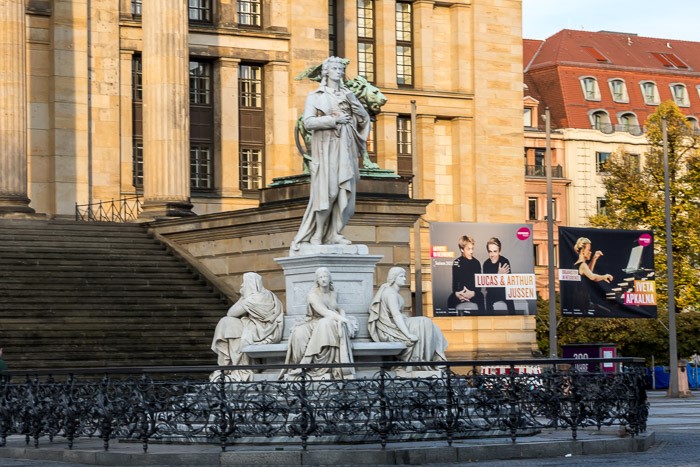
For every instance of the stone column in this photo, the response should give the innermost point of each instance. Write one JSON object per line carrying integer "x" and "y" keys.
{"x": 226, "y": 120}
{"x": 13, "y": 110}
{"x": 423, "y": 44}
{"x": 279, "y": 160}
{"x": 166, "y": 112}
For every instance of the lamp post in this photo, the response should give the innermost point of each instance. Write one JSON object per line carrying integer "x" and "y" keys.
{"x": 672, "y": 348}
{"x": 553, "y": 350}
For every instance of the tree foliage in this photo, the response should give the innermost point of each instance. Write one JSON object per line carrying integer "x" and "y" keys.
{"x": 635, "y": 199}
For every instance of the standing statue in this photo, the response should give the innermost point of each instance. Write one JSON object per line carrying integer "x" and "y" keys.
{"x": 324, "y": 336}
{"x": 339, "y": 126}
{"x": 423, "y": 339}
{"x": 256, "y": 318}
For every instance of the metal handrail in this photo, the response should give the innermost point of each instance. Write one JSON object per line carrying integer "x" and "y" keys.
{"x": 125, "y": 209}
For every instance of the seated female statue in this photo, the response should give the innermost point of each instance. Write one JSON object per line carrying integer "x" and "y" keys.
{"x": 256, "y": 318}
{"x": 423, "y": 339}
{"x": 324, "y": 336}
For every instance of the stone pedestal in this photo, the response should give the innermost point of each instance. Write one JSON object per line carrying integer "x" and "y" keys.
{"x": 352, "y": 275}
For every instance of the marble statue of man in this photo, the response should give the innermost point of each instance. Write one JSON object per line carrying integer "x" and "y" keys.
{"x": 340, "y": 126}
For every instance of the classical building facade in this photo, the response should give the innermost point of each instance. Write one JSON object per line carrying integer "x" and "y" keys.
{"x": 192, "y": 104}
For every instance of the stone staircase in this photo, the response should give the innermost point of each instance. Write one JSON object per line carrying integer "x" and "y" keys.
{"x": 84, "y": 295}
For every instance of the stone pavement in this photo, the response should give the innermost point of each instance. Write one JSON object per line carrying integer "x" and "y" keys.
{"x": 671, "y": 440}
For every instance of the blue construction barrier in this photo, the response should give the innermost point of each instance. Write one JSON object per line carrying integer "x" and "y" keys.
{"x": 662, "y": 377}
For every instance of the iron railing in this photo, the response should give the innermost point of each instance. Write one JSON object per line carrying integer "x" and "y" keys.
{"x": 181, "y": 404}
{"x": 125, "y": 209}
{"x": 541, "y": 171}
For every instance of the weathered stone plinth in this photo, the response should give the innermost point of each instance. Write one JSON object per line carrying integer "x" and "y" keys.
{"x": 353, "y": 279}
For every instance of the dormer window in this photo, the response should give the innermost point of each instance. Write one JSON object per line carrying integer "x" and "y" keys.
{"x": 628, "y": 122}
{"x": 600, "y": 120}
{"x": 589, "y": 85}
{"x": 618, "y": 90}
{"x": 650, "y": 92}
{"x": 680, "y": 94}
{"x": 530, "y": 117}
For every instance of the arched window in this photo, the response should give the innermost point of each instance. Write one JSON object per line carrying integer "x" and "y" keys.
{"x": 650, "y": 92}
{"x": 600, "y": 120}
{"x": 628, "y": 122}
{"x": 589, "y": 85}
{"x": 618, "y": 90}
{"x": 680, "y": 94}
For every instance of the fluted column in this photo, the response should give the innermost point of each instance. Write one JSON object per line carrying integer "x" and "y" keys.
{"x": 166, "y": 113}
{"x": 13, "y": 110}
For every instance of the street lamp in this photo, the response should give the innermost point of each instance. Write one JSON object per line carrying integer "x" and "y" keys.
{"x": 553, "y": 351}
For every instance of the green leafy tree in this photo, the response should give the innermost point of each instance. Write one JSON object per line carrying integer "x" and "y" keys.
{"x": 635, "y": 199}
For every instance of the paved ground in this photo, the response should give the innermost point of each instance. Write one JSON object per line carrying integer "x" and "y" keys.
{"x": 673, "y": 433}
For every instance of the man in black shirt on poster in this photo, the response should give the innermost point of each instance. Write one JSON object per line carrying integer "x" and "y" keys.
{"x": 465, "y": 296}
{"x": 497, "y": 264}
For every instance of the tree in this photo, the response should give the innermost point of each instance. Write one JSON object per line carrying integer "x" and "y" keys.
{"x": 635, "y": 199}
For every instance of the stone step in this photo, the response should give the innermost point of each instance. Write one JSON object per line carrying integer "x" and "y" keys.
{"x": 80, "y": 295}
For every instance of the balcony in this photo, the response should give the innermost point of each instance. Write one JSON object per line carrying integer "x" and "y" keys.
{"x": 541, "y": 171}
{"x": 609, "y": 128}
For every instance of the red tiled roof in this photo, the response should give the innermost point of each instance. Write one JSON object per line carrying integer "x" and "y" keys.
{"x": 553, "y": 73}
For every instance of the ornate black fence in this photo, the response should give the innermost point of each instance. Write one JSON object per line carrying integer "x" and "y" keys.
{"x": 180, "y": 404}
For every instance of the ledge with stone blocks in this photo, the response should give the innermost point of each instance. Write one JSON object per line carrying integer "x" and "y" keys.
{"x": 359, "y": 349}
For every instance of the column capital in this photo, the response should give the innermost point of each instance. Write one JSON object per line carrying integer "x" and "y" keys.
{"x": 229, "y": 62}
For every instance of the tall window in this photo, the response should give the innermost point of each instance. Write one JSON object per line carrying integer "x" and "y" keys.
{"x": 591, "y": 92}
{"x": 365, "y": 39}
{"x": 250, "y": 13}
{"x": 650, "y": 93}
{"x": 633, "y": 162}
{"x": 618, "y": 89}
{"x": 332, "y": 33}
{"x": 527, "y": 117}
{"x": 137, "y": 121}
{"x": 532, "y": 209}
{"x": 200, "y": 11}
{"x": 404, "y": 44}
{"x": 136, "y": 6}
{"x": 251, "y": 126}
{"x": 600, "y": 159}
{"x": 600, "y": 206}
{"x": 680, "y": 95}
{"x": 201, "y": 126}
{"x": 404, "y": 147}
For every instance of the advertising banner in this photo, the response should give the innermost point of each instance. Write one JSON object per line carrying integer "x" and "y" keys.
{"x": 607, "y": 273}
{"x": 482, "y": 269}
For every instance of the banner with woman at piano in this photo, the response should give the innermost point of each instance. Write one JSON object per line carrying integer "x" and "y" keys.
{"x": 606, "y": 273}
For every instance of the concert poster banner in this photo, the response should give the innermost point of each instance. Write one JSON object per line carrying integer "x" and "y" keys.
{"x": 481, "y": 269}
{"x": 605, "y": 273}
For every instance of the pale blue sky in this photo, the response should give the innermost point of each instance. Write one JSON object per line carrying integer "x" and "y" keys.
{"x": 666, "y": 19}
